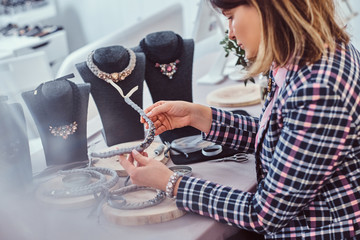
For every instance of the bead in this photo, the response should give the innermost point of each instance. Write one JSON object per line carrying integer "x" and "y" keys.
{"x": 171, "y": 184}
{"x": 115, "y": 76}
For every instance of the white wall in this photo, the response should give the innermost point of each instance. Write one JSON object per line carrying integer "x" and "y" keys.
{"x": 354, "y": 25}
{"x": 89, "y": 20}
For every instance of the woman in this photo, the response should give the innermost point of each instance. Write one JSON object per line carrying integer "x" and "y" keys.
{"x": 307, "y": 141}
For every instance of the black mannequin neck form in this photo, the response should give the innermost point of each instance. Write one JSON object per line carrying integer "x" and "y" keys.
{"x": 111, "y": 59}
{"x": 59, "y": 99}
{"x": 166, "y": 46}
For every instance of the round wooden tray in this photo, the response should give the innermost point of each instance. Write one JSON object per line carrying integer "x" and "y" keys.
{"x": 113, "y": 162}
{"x": 237, "y": 95}
{"x": 163, "y": 212}
{"x": 65, "y": 202}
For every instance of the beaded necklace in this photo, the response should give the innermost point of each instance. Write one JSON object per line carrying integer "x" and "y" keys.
{"x": 86, "y": 188}
{"x": 60, "y": 127}
{"x": 168, "y": 67}
{"x": 151, "y": 133}
{"x": 115, "y": 76}
{"x": 116, "y": 198}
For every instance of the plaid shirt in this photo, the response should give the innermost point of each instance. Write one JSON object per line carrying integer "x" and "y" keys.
{"x": 309, "y": 154}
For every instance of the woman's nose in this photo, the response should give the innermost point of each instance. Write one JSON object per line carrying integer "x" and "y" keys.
{"x": 231, "y": 35}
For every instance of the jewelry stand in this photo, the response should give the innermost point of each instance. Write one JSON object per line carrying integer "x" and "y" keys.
{"x": 54, "y": 101}
{"x": 168, "y": 48}
{"x": 16, "y": 170}
{"x": 120, "y": 122}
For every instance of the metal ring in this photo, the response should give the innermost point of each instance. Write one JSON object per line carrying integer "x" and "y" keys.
{"x": 212, "y": 150}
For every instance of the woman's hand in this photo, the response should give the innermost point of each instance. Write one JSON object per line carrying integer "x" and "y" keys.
{"x": 149, "y": 172}
{"x": 168, "y": 115}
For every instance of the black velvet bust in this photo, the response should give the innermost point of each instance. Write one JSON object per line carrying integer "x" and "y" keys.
{"x": 57, "y": 103}
{"x": 121, "y": 123}
{"x": 163, "y": 46}
{"x": 16, "y": 170}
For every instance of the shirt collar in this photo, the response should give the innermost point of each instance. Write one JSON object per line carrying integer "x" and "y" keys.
{"x": 279, "y": 76}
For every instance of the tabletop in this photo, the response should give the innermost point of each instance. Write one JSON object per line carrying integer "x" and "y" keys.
{"x": 26, "y": 218}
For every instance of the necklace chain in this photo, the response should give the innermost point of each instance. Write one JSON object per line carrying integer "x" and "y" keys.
{"x": 115, "y": 76}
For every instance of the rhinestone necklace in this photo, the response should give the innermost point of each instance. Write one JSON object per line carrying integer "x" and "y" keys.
{"x": 115, "y": 76}
{"x": 151, "y": 132}
{"x": 167, "y": 67}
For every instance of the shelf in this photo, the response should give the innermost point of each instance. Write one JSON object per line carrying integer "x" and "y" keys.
{"x": 31, "y": 16}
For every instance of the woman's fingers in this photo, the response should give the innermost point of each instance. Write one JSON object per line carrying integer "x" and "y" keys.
{"x": 160, "y": 130}
{"x": 150, "y": 108}
{"x": 127, "y": 163}
{"x": 140, "y": 158}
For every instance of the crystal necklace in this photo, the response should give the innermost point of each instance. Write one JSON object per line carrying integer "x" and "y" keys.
{"x": 151, "y": 133}
{"x": 167, "y": 67}
{"x": 60, "y": 127}
{"x": 115, "y": 76}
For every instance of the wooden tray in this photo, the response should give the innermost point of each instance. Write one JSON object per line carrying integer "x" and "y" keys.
{"x": 235, "y": 96}
{"x": 163, "y": 212}
{"x": 65, "y": 202}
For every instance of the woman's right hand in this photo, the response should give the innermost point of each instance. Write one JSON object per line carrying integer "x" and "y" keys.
{"x": 168, "y": 115}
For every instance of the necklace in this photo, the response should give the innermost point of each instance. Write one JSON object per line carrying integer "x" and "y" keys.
{"x": 167, "y": 67}
{"x": 56, "y": 126}
{"x": 150, "y": 134}
{"x": 91, "y": 187}
{"x": 115, "y": 76}
{"x": 269, "y": 85}
{"x": 116, "y": 199}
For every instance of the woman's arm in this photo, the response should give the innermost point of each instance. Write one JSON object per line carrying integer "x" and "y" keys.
{"x": 233, "y": 130}
{"x": 305, "y": 157}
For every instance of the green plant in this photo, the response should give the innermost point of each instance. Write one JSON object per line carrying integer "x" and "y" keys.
{"x": 230, "y": 46}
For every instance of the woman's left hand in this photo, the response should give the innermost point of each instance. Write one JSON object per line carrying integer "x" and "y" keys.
{"x": 148, "y": 172}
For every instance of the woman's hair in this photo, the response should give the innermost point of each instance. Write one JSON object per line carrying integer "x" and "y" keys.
{"x": 293, "y": 31}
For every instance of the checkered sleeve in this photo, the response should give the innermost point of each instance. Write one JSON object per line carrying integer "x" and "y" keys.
{"x": 233, "y": 130}
{"x": 311, "y": 145}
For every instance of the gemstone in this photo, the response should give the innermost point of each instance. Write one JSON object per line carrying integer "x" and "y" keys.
{"x": 115, "y": 76}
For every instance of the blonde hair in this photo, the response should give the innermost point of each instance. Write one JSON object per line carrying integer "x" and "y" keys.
{"x": 295, "y": 30}
{"x": 292, "y": 30}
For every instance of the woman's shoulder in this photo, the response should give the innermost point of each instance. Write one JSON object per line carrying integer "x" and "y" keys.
{"x": 338, "y": 72}
{"x": 343, "y": 63}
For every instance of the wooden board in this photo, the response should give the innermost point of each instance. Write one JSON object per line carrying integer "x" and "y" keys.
{"x": 235, "y": 96}
{"x": 163, "y": 212}
{"x": 113, "y": 162}
{"x": 66, "y": 202}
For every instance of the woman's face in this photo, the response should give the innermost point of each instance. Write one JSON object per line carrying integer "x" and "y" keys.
{"x": 245, "y": 27}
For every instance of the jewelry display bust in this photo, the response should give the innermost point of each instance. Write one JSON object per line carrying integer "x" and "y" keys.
{"x": 16, "y": 170}
{"x": 169, "y": 64}
{"x": 59, "y": 109}
{"x": 120, "y": 122}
